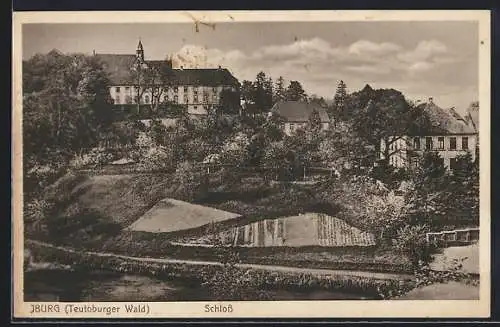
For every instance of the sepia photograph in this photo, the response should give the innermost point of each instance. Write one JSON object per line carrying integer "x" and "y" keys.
{"x": 237, "y": 159}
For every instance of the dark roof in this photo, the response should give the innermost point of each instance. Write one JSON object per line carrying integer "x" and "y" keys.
{"x": 205, "y": 76}
{"x": 298, "y": 111}
{"x": 120, "y": 66}
{"x": 446, "y": 121}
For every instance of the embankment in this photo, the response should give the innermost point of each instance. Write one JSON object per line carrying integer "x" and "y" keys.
{"x": 376, "y": 285}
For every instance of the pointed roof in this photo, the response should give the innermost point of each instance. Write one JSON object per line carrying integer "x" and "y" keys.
{"x": 118, "y": 66}
{"x": 299, "y": 111}
{"x": 139, "y": 46}
{"x": 472, "y": 115}
{"x": 445, "y": 121}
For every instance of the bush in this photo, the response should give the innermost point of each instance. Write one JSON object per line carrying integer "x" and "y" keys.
{"x": 191, "y": 180}
{"x": 156, "y": 158}
{"x": 411, "y": 241}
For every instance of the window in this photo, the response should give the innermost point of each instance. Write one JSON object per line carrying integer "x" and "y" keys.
{"x": 185, "y": 89}
{"x": 195, "y": 91}
{"x": 146, "y": 99}
{"x": 214, "y": 89}
{"x": 428, "y": 143}
{"x": 176, "y": 98}
{"x": 165, "y": 98}
{"x": 127, "y": 89}
{"x": 441, "y": 143}
{"x": 195, "y": 107}
{"x": 185, "y": 98}
{"x": 465, "y": 143}
{"x": 416, "y": 143}
{"x": 195, "y": 97}
{"x": 176, "y": 89}
{"x": 117, "y": 89}
{"x": 453, "y": 143}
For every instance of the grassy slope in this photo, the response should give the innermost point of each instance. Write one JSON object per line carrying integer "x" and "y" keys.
{"x": 122, "y": 199}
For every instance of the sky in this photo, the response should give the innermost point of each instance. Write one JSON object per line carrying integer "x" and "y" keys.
{"x": 420, "y": 59}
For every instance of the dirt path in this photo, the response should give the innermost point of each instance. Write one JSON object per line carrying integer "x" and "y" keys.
{"x": 323, "y": 272}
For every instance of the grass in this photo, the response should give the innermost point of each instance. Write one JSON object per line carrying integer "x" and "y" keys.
{"x": 94, "y": 210}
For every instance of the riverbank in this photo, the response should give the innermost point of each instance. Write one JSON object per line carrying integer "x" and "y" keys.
{"x": 369, "y": 284}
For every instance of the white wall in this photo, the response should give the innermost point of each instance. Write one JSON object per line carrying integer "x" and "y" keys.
{"x": 400, "y": 148}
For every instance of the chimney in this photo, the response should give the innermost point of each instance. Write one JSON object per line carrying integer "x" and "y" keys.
{"x": 431, "y": 100}
{"x": 220, "y": 67}
{"x": 93, "y": 52}
{"x": 182, "y": 67}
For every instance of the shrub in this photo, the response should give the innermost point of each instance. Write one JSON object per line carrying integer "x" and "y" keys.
{"x": 156, "y": 158}
{"x": 411, "y": 241}
{"x": 191, "y": 180}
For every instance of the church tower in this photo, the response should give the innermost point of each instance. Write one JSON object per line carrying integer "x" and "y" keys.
{"x": 140, "y": 51}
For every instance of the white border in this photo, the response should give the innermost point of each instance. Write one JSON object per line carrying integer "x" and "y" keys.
{"x": 365, "y": 309}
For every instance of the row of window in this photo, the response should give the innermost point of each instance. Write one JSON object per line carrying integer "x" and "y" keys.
{"x": 176, "y": 89}
{"x": 429, "y": 143}
{"x": 147, "y": 99}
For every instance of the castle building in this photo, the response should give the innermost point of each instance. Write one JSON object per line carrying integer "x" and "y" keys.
{"x": 140, "y": 83}
{"x": 451, "y": 136}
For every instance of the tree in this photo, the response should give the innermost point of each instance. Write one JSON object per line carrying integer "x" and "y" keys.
{"x": 343, "y": 148}
{"x": 263, "y": 93}
{"x": 314, "y": 123}
{"x": 383, "y": 116}
{"x": 384, "y": 215}
{"x": 65, "y": 99}
{"x": 229, "y": 101}
{"x": 339, "y": 100}
{"x": 279, "y": 90}
{"x": 248, "y": 96}
{"x": 427, "y": 201}
{"x": 153, "y": 80}
{"x": 295, "y": 92}
{"x": 318, "y": 100}
{"x": 157, "y": 132}
{"x": 464, "y": 193}
{"x": 279, "y": 159}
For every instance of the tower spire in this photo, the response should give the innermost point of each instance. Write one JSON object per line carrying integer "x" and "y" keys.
{"x": 140, "y": 50}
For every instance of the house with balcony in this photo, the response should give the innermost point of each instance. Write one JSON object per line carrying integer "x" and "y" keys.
{"x": 450, "y": 136}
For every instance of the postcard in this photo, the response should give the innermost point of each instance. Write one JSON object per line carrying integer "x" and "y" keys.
{"x": 239, "y": 164}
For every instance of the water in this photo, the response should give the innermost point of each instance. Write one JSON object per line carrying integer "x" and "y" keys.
{"x": 69, "y": 286}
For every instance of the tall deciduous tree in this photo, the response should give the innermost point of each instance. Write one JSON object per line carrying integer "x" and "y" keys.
{"x": 383, "y": 116}
{"x": 65, "y": 99}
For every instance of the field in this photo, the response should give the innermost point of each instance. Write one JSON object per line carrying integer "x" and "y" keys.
{"x": 170, "y": 215}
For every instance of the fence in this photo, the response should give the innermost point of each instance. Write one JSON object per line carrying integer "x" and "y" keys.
{"x": 457, "y": 236}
